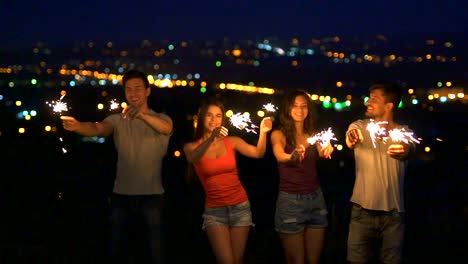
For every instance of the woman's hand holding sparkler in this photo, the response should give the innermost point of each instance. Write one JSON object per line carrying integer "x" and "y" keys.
{"x": 326, "y": 151}
{"x": 266, "y": 125}
{"x": 298, "y": 154}
{"x": 70, "y": 123}
{"x": 219, "y": 132}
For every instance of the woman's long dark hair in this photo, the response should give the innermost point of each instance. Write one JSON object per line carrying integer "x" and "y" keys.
{"x": 286, "y": 121}
{"x": 202, "y": 111}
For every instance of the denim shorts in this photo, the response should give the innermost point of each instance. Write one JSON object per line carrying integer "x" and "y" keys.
{"x": 368, "y": 228}
{"x": 231, "y": 215}
{"x": 295, "y": 212}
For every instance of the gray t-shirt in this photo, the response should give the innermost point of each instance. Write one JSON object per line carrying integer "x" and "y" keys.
{"x": 379, "y": 177}
{"x": 140, "y": 151}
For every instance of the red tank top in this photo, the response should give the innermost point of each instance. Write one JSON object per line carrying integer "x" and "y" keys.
{"x": 220, "y": 179}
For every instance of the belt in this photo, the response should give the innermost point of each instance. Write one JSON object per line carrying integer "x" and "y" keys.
{"x": 375, "y": 212}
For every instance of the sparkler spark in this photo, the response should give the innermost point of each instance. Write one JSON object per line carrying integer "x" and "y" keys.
{"x": 114, "y": 104}
{"x": 64, "y": 150}
{"x": 58, "y": 106}
{"x": 376, "y": 131}
{"x": 324, "y": 137}
{"x": 401, "y": 135}
{"x": 270, "y": 107}
{"x": 242, "y": 122}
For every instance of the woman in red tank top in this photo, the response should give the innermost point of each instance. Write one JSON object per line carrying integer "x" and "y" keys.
{"x": 227, "y": 215}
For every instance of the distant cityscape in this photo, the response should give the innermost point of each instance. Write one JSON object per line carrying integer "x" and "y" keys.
{"x": 335, "y": 71}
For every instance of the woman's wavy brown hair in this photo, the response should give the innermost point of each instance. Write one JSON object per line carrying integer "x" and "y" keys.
{"x": 202, "y": 111}
{"x": 287, "y": 123}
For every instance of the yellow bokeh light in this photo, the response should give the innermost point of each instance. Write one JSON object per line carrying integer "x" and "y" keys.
{"x": 427, "y": 149}
{"x": 18, "y": 103}
{"x": 260, "y": 113}
{"x": 448, "y": 84}
{"x": 339, "y": 147}
{"x": 21, "y": 130}
{"x": 123, "y": 105}
{"x": 229, "y": 113}
{"x": 177, "y": 153}
{"x": 47, "y": 128}
{"x": 236, "y": 52}
{"x": 27, "y": 117}
{"x": 410, "y": 91}
{"x": 100, "y": 106}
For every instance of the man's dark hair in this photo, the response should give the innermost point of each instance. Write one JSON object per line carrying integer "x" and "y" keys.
{"x": 135, "y": 74}
{"x": 391, "y": 91}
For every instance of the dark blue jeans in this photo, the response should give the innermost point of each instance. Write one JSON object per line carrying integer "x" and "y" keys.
{"x": 369, "y": 228}
{"x": 125, "y": 209}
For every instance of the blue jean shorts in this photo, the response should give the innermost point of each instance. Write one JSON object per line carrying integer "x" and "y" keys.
{"x": 231, "y": 215}
{"x": 295, "y": 212}
{"x": 370, "y": 227}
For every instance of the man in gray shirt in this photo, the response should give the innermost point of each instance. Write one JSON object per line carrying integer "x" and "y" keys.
{"x": 377, "y": 214}
{"x": 141, "y": 138}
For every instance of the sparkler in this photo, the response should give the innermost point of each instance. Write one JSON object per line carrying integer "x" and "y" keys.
{"x": 242, "y": 122}
{"x": 324, "y": 137}
{"x": 114, "y": 104}
{"x": 401, "y": 135}
{"x": 376, "y": 131}
{"x": 59, "y": 107}
{"x": 270, "y": 107}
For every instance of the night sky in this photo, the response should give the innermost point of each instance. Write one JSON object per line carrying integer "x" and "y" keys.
{"x": 58, "y": 22}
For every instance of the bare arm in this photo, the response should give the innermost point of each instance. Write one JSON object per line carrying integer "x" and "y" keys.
{"x": 278, "y": 142}
{"x": 88, "y": 129}
{"x": 194, "y": 152}
{"x": 252, "y": 151}
{"x": 163, "y": 126}
{"x": 159, "y": 124}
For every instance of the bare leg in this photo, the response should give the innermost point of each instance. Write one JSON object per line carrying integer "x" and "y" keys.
{"x": 293, "y": 245}
{"x": 239, "y": 237}
{"x": 314, "y": 239}
{"x": 220, "y": 240}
